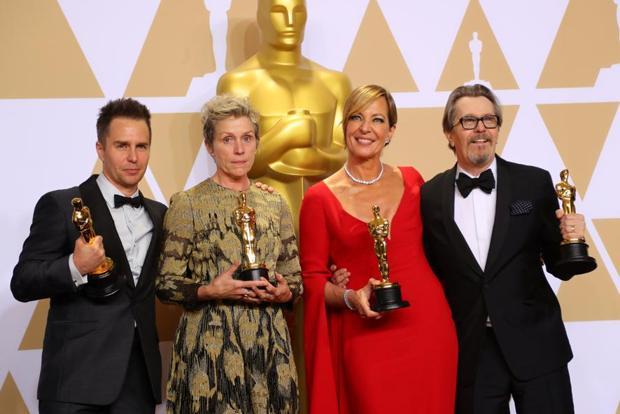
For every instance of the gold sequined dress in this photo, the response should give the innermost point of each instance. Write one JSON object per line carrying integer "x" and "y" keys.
{"x": 228, "y": 356}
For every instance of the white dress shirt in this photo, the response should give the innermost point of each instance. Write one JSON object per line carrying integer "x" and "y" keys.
{"x": 134, "y": 228}
{"x": 475, "y": 216}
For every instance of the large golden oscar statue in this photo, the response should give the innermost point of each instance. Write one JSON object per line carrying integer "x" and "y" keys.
{"x": 300, "y": 103}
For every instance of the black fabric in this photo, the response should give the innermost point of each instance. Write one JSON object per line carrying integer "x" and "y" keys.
{"x": 549, "y": 394}
{"x": 485, "y": 182}
{"x": 135, "y": 397}
{"x": 120, "y": 201}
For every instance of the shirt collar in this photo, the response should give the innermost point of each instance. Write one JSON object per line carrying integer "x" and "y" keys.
{"x": 108, "y": 190}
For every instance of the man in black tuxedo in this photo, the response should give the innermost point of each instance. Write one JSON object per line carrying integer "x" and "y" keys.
{"x": 487, "y": 225}
{"x": 99, "y": 355}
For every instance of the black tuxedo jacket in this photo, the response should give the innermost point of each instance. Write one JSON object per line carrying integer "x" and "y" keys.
{"x": 512, "y": 289}
{"x": 87, "y": 342}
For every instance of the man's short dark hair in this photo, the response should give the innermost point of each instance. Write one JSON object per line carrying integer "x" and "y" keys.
{"x": 121, "y": 108}
{"x": 472, "y": 91}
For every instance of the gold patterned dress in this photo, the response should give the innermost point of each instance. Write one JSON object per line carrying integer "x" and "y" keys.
{"x": 228, "y": 356}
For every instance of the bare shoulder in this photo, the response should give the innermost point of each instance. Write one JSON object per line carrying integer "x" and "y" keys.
{"x": 337, "y": 182}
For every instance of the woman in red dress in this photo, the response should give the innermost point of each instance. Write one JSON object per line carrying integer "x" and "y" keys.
{"x": 357, "y": 360}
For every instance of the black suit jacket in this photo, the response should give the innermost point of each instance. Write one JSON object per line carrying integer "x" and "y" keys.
{"x": 512, "y": 289}
{"x": 87, "y": 342}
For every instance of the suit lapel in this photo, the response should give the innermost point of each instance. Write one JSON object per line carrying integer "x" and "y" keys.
{"x": 457, "y": 240}
{"x": 104, "y": 227}
{"x": 502, "y": 217}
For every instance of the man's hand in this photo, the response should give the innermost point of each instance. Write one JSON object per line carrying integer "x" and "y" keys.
{"x": 88, "y": 256}
{"x": 572, "y": 226}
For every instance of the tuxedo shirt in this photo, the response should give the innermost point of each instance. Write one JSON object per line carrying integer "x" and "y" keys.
{"x": 475, "y": 216}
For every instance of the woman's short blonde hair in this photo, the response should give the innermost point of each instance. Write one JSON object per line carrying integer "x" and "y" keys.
{"x": 363, "y": 96}
{"x": 222, "y": 107}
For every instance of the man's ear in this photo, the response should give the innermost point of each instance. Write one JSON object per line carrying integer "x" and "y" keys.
{"x": 100, "y": 149}
{"x": 448, "y": 136}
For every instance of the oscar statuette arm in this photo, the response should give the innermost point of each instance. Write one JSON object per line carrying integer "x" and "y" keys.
{"x": 43, "y": 267}
{"x": 292, "y": 131}
{"x": 340, "y": 85}
{"x": 333, "y": 156}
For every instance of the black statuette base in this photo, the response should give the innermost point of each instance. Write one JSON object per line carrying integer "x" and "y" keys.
{"x": 103, "y": 285}
{"x": 574, "y": 259}
{"x": 388, "y": 297}
{"x": 253, "y": 274}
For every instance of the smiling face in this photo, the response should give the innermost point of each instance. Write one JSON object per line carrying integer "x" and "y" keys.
{"x": 475, "y": 148}
{"x": 233, "y": 149}
{"x": 367, "y": 131}
{"x": 282, "y": 22}
{"x": 125, "y": 153}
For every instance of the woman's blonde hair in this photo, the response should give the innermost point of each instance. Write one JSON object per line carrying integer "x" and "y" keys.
{"x": 363, "y": 96}
{"x": 223, "y": 107}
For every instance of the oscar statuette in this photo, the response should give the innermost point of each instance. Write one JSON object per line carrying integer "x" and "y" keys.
{"x": 387, "y": 294}
{"x": 103, "y": 281}
{"x": 574, "y": 258}
{"x": 245, "y": 217}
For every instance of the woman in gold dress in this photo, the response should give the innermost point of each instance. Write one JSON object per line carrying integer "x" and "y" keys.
{"x": 232, "y": 352}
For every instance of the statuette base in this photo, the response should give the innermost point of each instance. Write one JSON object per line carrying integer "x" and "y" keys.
{"x": 387, "y": 297}
{"x": 253, "y": 274}
{"x": 104, "y": 282}
{"x": 574, "y": 259}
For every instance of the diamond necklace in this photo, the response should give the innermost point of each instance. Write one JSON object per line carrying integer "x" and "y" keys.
{"x": 363, "y": 182}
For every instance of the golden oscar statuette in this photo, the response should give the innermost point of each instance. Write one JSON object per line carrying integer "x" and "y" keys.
{"x": 245, "y": 217}
{"x": 387, "y": 295}
{"x": 103, "y": 281}
{"x": 300, "y": 104}
{"x": 574, "y": 258}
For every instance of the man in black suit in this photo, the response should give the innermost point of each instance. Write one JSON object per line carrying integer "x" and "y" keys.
{"x": 487, "y": 225}
{"x": 99, "y": 355}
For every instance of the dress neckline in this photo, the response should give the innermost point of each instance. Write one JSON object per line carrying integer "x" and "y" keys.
{"x": 398, "y": 207}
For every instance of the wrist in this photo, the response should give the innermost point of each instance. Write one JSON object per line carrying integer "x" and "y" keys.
{"x": 347, "y": 302}
{"x": 204, "y": 293}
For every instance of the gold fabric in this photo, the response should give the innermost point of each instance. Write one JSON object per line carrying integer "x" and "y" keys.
{"x": 228, "y": 357}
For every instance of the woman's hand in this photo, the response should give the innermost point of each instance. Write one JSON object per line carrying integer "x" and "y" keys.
{"x": 275, "y": 294}
{"x": 224, "y": 286}
{"x": 340, "y": 277}
{"x": 360, "y": 300}
{"x": 264, "y": 187}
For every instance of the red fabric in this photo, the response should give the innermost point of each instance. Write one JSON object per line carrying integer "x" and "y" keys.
{"x": 404, "y": 362}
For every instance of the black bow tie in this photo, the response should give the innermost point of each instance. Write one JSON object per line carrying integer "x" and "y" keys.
{"x": 486, "y": 182}
{"x": 120, "y": 201}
